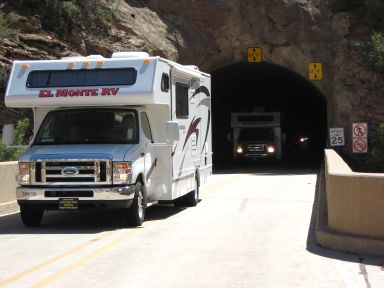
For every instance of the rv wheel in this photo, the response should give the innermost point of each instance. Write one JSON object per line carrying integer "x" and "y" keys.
{"x": 31, "y": 217}
{"x": 134, "y": 215}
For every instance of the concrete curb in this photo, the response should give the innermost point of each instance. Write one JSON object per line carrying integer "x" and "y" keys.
{"x": 327, "y": 238}
{"x": 9, "y": 207}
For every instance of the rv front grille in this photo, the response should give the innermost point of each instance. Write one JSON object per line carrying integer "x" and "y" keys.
{"x": 72, "y": 172}
{"x": 79, "y": 193}
{"x": 256, "y": 148}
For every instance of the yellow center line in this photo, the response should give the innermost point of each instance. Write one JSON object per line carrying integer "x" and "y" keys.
{"x": 48, "y": 262}
{"x": 60, "y": 273}
{"x": 92, "y": 255}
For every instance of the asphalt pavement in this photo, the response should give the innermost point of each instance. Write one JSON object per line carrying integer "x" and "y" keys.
{"x": 251, "y": 229}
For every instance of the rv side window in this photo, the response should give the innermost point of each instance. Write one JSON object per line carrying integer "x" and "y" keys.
{"x": 81, "y": 77}
{"x": 165, "y": 82}
{"x": 181, "y": 101}
{"x": 145, "y": 126}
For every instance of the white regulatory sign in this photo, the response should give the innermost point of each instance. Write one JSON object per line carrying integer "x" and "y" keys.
{"x": 360, "y": 145}
{"x": 336, "y": 136}
{"x": 360, "y": 130}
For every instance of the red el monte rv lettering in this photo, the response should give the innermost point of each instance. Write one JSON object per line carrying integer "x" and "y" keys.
{"x": 76, "y": 92}
{"x": 45, "y": 93}
{"x": 109, "y": 91}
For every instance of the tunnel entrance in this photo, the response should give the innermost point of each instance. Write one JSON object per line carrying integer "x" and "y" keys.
{"x": 270, "y": 88}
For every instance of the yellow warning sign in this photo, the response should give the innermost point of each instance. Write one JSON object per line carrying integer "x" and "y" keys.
{"x": 255, "y": 54}
{"x": 315, "y": 71}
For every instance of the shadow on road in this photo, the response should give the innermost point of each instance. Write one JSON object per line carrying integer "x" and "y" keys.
{"x": 81, "y": 222}
{"x": 267, "y": 168}
{"x": 314, "y": 248}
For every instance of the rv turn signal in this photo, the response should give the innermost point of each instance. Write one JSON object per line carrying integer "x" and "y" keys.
{"x": 25, "y": 66}
{"x": 121, "y": 172}
{"x": 23, "y": 175}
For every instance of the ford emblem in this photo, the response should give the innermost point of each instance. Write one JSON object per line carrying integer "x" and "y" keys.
{"x": 69, "y": 171}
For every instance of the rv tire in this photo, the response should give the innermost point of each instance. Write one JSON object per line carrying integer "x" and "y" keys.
{"x": 31, "y": 217}
{"x": 135, "y": 214}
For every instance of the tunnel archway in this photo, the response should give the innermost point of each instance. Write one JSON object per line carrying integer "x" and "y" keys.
{"x": 269, "y": 87}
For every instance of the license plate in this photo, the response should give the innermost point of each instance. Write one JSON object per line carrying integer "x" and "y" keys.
{"x": 68, "y": 203}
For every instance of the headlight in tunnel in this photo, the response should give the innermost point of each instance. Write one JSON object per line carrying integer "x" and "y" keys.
{"x": 303, "y": 139}
{"x": 271, "y": 149}
{"x": 239, "y": 149}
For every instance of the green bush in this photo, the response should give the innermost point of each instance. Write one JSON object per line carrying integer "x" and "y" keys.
{"x": 13, "y": 19}
{"x": 64, "y": 16}
{"x": 97, "y": 11}
{"x": 68, "y": 8}
{"x": 380, "y": 135}
{"x": 3, "y": 77}
{"x": 375, "y": 159}
{"x": 344, "y": 5}
{"x": 5, "y": 31}
{"x": 371, "y": 11}
{"x": 372, "y": 52}
{"x": 374, "y": 13}
{"x": 12, "y": 154}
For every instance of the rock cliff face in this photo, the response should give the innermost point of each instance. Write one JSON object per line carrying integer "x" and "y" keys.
{"x": 212, "y": 34}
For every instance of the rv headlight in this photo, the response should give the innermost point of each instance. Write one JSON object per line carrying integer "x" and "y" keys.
{"x": 271, "y": 149}
{"x": 239, "y": 149}
{"x": 121, "y": 172}
{"x": 23, "y": 175}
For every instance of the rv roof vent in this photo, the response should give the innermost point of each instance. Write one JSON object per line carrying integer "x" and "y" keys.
{"x": 130, "y": 55}
{"x": 95, "y": 57}
{"x": 193, "y": 67}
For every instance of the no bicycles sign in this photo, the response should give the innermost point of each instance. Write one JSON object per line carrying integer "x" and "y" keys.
{"x": 360, "y": 145}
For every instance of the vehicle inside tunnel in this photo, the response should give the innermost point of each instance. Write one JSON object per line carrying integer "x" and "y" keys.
{"x": 262, "y": 93}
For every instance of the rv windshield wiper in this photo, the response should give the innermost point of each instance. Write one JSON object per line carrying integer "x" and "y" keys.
{"x": 107, "y": 138}
{"x": 48, "y": 141}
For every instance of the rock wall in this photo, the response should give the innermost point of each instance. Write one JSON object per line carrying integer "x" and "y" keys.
{"x": 211, "y": 34}
{"x": 292, "y": 34}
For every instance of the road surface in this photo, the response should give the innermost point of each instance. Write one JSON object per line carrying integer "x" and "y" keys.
{"x": 249, "y": 230}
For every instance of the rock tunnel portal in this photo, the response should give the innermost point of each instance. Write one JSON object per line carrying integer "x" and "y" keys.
{"x": 268, "y": 87}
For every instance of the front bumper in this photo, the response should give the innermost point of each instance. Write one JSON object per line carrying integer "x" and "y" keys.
{"x": 256, "y": 156}
{"x": 88, "y": 198}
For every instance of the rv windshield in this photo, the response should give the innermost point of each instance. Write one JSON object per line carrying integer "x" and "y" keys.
{"x": 256, "y": 134}
{"x": 88, "y": 126}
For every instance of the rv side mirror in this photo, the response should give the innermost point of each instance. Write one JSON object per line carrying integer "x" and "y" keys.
{"x": 172, "y": 131}
{"x": 8, "y": 136}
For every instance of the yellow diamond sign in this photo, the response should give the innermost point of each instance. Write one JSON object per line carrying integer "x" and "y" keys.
{"x": 255, "y": 54}
{"x": 315, "y": 71}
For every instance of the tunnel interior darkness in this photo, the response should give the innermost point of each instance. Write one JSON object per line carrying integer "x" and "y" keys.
{"x": 244, "y": 86}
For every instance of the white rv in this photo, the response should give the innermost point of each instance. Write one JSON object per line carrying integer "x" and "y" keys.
{"x": 256, "y": 135}
{"x": 123, "y": 132}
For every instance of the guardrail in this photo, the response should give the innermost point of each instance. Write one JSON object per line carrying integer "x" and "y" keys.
{"x": 8, "y": 185}
{"x": 354, "y": 220}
